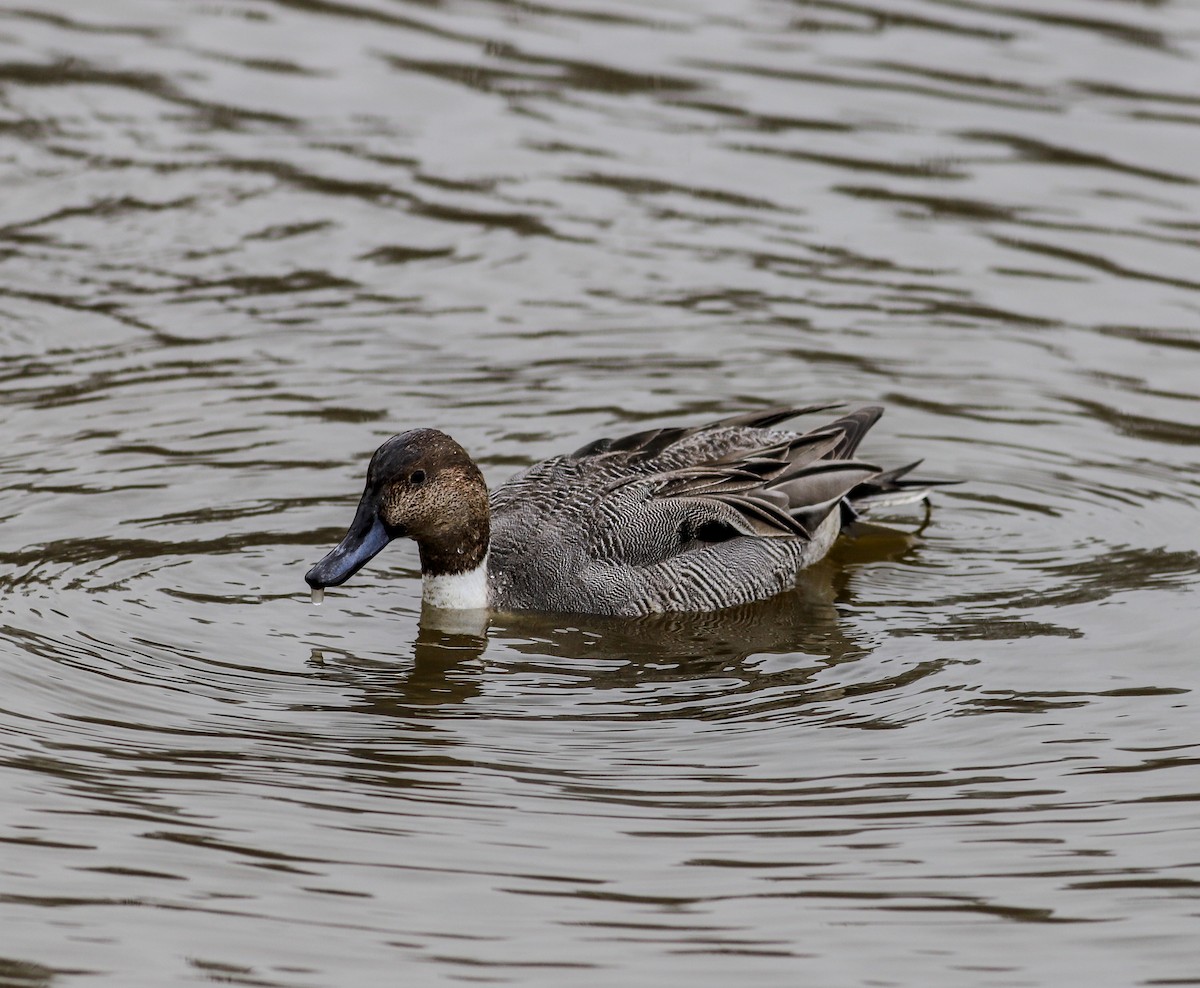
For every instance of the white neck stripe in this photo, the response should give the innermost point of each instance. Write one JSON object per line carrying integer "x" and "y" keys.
{"x": 457, "y": 591}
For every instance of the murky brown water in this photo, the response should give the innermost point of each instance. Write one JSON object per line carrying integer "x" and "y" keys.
{"x": 245, "y": 240}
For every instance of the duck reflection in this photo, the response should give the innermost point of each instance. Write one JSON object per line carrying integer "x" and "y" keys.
{"x": 445, "y": 670}
{"x": 803, "y": 628}
{"x": 805, "y": 620}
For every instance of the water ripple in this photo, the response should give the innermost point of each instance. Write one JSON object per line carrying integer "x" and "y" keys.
{"x": 243, "y": 243}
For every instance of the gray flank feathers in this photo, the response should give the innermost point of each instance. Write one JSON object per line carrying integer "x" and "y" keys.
{"x": 679, "y": 519}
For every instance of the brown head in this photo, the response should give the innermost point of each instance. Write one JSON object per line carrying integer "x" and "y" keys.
{"x": 420, "y": 485}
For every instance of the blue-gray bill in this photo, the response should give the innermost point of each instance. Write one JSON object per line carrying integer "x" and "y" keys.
{"x": 365, "y": 539}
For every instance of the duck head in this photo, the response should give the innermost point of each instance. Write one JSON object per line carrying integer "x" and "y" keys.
{"x": 421, "y": 485}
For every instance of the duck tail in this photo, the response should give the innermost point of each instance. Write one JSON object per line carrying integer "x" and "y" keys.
{"x": 890, "y": 489}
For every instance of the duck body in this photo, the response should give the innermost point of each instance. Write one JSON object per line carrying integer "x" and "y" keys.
{"x": 674, "y": 519}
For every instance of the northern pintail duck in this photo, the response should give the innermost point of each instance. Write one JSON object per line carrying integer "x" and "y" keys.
{"x": 674, "y": 519}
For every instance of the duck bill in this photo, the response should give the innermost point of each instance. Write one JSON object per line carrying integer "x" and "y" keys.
{"x": 366, "y": 538}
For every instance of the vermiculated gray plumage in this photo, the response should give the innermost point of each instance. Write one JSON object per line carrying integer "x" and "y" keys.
{"x": 683, "y": 519}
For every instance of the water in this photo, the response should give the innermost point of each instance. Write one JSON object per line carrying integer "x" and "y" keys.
{"x": 243, "y": 242}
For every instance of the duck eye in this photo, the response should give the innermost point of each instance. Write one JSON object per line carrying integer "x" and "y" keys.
{"x": 417, "y": 478}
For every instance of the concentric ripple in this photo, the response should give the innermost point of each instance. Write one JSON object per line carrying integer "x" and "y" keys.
{"x": 243, "y": 242}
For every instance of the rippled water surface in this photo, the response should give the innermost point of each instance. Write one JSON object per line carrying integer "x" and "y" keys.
{"x": 243, "y": 241}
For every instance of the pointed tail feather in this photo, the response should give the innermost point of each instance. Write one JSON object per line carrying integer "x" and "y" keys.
{"x": 893, "y": 488}
{"x": 764, "y": 418}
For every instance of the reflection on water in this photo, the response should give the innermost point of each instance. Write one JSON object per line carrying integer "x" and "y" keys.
{"x": 243, "y": 242}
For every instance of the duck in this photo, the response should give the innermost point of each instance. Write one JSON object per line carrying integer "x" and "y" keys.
{"x": 674, "y": 519}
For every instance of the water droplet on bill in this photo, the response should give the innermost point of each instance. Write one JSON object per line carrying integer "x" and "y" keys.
{"x": 318, "y": 594}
